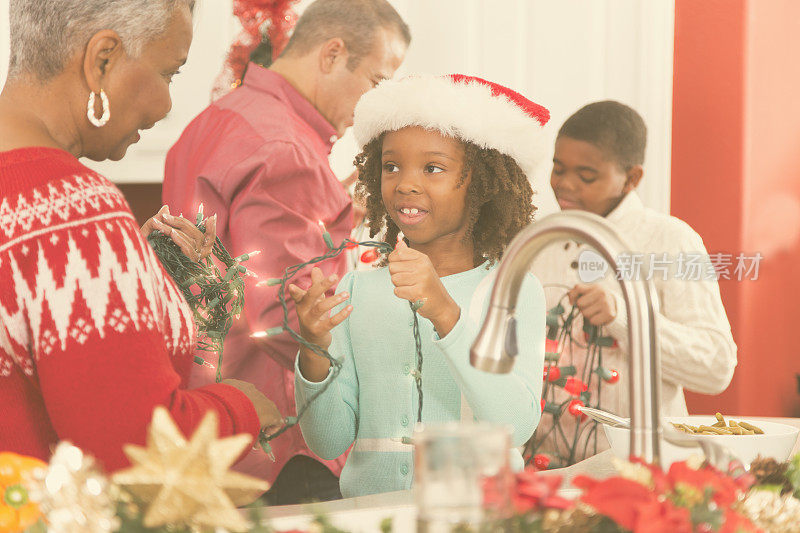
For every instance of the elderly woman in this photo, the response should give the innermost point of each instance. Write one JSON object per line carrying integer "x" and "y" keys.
{"x": 93, "y": 332}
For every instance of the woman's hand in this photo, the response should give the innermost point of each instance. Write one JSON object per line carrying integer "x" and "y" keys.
{"x": 415, "y": 279}
{"x": 316, "y": 322}
{"x": 193, "y": 243}
{"x": 595, "y": 304}
{"x": 268, "y": 415}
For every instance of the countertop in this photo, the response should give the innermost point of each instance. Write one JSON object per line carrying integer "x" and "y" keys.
{"x": 365, "y": 513}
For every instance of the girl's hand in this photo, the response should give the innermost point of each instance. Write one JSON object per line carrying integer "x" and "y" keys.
{"x": 415, "y": 279}
{"x": 595, "y": 304}
{"x": 193, "y": 243}
{"x": 313, "y": 308}
{"x": 313, "y": 312}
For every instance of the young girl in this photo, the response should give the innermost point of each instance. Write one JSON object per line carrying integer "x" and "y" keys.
{"x": 446, "y": 161}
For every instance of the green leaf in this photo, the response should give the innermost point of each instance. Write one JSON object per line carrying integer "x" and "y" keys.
{"x": 702, "y": 514}
{"x": 38, "y": 527}
{"x": 793, "y": 474}
{"x": 386, "y": 525}
{"x": 769, "y": 488}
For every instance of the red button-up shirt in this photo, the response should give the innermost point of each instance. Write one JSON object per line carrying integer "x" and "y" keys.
{"x": 258, "y": 158}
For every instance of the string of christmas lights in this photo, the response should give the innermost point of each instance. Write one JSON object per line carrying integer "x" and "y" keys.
{"x": 558, "y": 375}
{"x": 336, "y": 365}
{"x": 215, "y": 298}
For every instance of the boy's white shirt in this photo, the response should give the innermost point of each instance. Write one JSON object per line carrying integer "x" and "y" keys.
{"x": 695, "y": 341}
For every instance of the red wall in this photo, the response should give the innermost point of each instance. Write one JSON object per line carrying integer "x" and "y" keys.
{"x": 736, "y": 180}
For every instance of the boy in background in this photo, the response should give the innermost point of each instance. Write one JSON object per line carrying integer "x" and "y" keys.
{"x": 597, "y": 165}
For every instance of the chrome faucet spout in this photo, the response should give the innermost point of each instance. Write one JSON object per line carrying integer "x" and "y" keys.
{"x": 495, "y": 347}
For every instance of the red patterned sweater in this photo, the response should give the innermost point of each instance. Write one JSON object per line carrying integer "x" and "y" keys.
{"x": 93, "y": 332}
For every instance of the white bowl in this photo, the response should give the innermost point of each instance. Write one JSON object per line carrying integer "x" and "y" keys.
{"x": 776, "y": 442}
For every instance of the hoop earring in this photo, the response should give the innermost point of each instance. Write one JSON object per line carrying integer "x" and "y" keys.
{"x": 103, "y": 120}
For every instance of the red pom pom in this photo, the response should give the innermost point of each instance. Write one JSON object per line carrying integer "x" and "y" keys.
{"x": 541, "y": 461}
{"x": 613, "y": 378}
{"x": 553, "y": 373}
{"x": 369, "y": 256}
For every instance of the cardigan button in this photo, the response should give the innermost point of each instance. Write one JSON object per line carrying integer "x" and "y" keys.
{"x": 406, "y": 369}
{"x": 404, "y": 469}
{"x": 404, "y": 420}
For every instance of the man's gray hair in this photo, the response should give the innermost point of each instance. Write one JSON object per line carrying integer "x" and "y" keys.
{"x": 356, "y": 22}
{"x": 45, "y": 33}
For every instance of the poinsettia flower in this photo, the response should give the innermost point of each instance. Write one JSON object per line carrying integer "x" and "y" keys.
{"x": 534, "y": 491}
{"x": 658, "y": 480}
{"x": 616, "y": 497}
{"x": 725, "y": 490}
{"x": 662, "y": 517}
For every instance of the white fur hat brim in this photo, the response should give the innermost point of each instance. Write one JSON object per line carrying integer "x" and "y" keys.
{"x": 465, "y": 110}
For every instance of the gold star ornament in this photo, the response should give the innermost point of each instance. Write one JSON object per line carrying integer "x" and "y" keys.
{"x": 188, "y": 483}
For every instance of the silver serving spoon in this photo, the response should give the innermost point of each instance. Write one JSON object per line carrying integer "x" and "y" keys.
{"x": 717, "y": 455}
{"x": 604, "y": 417}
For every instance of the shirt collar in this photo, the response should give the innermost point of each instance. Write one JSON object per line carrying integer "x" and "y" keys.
{"x": 264, "y": 80}
{"x": 630, "y": 204}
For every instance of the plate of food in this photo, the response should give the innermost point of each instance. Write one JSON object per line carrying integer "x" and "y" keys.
{"x": 746, "y": 439}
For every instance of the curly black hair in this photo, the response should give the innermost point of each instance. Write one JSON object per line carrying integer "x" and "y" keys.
{"x": 499, "y": 198}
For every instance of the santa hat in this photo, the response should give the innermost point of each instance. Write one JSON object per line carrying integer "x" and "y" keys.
{"x": 465, "y": 107}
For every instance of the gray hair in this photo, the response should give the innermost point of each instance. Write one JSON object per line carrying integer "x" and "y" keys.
{"x": 355, "y": 22}
{"x": 45, "y": 33}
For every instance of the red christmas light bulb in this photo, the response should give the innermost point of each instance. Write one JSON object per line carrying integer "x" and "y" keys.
{"x": 573, "y": 408}
{"x": 551, "y": 345}
{"x": 369, "y": 256}
{"x": 575, "y": 386}
{"x": 541, "y": 461}
{"x": 553, "y": 373}
{"x": 613, "y": 378}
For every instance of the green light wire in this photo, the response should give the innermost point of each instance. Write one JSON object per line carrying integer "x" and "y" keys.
{"x": 215, "y": 298}
{"x": 336, "y": 365}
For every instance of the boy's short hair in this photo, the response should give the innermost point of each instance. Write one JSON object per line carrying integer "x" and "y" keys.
{"x": 613, "y": 127}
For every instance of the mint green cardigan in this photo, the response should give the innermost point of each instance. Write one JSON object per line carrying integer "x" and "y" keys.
{"x": 372, "y": 405}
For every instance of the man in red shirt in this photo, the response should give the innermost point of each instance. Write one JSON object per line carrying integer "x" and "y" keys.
{"x": 258, "y": 159}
